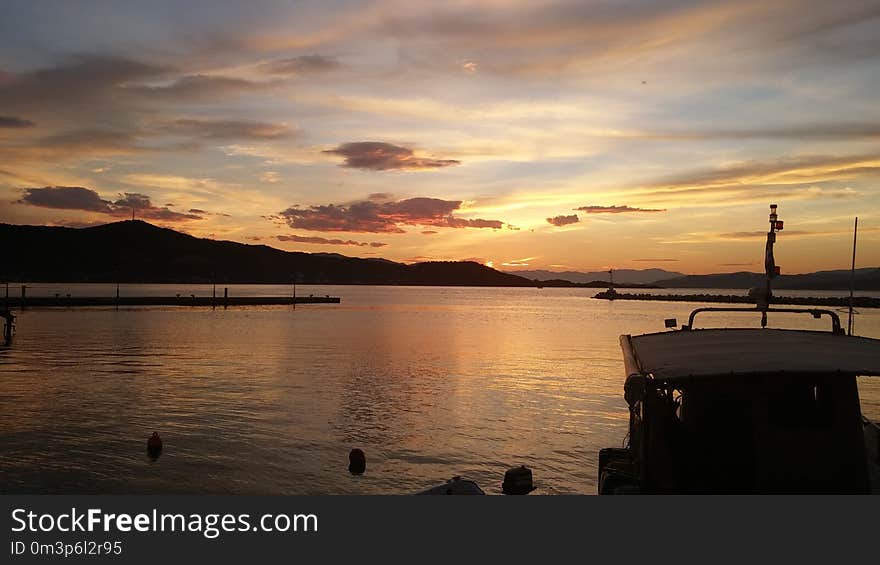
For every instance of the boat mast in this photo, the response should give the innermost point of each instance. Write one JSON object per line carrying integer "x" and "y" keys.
{"x": 852, "y": 278}
{"x": 770, "y": 267}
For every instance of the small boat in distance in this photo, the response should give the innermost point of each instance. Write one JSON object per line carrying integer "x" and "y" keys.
{"x": 746, "y": 410}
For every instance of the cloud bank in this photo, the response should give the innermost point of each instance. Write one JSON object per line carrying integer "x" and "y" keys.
{"x": 85, "y": 199}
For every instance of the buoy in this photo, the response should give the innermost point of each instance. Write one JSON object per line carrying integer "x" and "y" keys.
{"x": 154, "y": 446}
{"x": 357, "y": 462}
{"x": 518, "y": 480}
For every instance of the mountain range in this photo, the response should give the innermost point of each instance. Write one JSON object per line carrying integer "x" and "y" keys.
{"x": 864, "y": 279}
{"x": 621, "y": 276}
{"x": 136, "y": 251}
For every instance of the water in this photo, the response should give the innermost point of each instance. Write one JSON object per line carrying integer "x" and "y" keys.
{"x": 429, "y": 382}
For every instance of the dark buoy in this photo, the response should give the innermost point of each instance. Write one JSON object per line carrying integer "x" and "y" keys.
{"x": 154, "y": 446}
{"x": 518, "y": 481}
{"x": 357, "y": 462}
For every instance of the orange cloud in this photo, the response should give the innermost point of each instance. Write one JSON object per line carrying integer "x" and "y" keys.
{"x": 382, "y": 217}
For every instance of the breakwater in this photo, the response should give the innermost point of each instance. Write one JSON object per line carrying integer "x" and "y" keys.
{"x": 191, "y": 300}
{"x": 827, "y": 301}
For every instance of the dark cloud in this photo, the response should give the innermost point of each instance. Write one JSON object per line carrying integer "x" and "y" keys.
{"x": 16, "y": 123}
{"x": 563, "y": 220}
{"x": 74, "y": 139}
{"x": 66, "y": 198}
{"x": 382, "y": 217}
{"x": 195, "y": 211}
{"x": 118, "y": 97}
{"x": 325, "y": 241}
{"x": 228, "y": 129}
{"x": 380, "y": 156}
{"x": 615, "y": 209}
{"x": 80, "y": 86}
{"x": 86, "y": 199}
{"x": 429, "y": 232}
{"x": 302, "y": 65}
{"x": 380, "y": 196}
{"x": 134, "y": 200}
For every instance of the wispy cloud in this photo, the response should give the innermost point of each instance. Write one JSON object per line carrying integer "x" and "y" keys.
{"x": 228, "y": 129}
{"x": 615, "y": 209}
{"x": 762, "y": 234}
{"x": 301, "y": 65}
{"x": 195, "y": 88}
{"x": 795, "y": 178}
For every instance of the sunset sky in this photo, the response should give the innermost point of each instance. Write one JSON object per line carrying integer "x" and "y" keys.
{"x": 549, "y": 134}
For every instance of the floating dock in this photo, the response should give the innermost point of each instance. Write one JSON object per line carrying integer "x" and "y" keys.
{"x": 828, "y": 301}
{"x": 85, "y": 301}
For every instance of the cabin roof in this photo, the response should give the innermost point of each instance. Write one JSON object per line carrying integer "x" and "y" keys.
{"x": 680, "y": 355}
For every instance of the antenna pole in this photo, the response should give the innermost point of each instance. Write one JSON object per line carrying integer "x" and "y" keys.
{"x": 770, "y": 268}
{"x": 852, "y": 279}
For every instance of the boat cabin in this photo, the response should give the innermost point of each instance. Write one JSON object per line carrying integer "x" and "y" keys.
{"x": 743, "y": 411}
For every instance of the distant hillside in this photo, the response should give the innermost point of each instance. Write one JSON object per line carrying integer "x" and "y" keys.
{"x": 135, "y": 251}
{"x": 621, "y": 276}
{"x": 865, "y": 279}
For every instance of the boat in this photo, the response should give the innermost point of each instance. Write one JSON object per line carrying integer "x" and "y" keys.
{"x": 746, "y": 410}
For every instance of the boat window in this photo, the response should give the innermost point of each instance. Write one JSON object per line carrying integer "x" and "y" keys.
{"x": 801, "y": 405}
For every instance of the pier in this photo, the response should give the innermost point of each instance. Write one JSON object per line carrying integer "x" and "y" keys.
{"x": 93, "y": 301}
{"x": 828, "y": 301}
{"x": 8, "y": 324}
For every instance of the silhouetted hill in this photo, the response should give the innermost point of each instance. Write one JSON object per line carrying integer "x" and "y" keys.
{"x": 865, "y": 279}
{"x": 621, "y": 276}
{"x": 135, "y": 251}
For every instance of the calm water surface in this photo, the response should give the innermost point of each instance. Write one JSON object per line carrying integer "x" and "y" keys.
{"x": 429, "y": 382}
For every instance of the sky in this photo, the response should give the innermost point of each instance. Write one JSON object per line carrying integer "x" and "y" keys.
{"x": 539, "y": 134}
